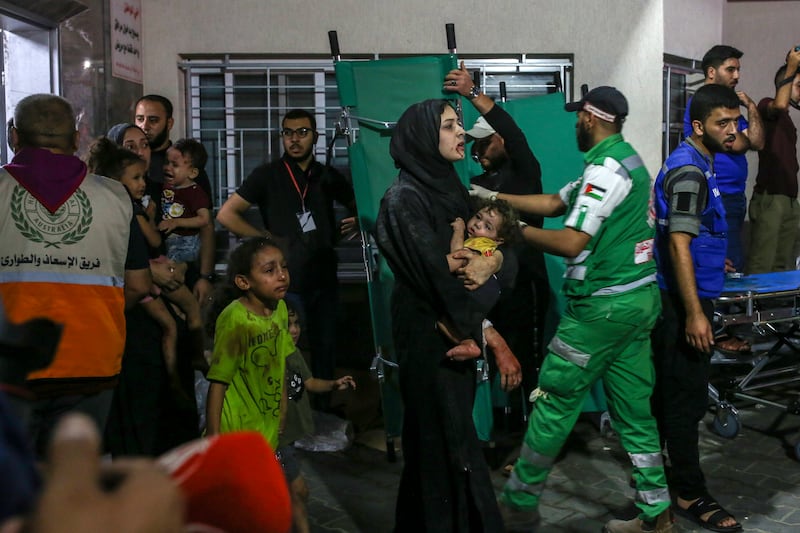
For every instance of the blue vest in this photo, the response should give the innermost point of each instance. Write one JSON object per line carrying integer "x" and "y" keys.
{"x": 708, "y": 249}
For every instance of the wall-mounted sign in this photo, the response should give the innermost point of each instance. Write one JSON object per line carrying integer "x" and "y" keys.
{"x": 125, "y": 17}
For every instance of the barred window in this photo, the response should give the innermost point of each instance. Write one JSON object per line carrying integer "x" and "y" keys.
{"x": 234, "y": 105}
{"x": 681, "y": 78}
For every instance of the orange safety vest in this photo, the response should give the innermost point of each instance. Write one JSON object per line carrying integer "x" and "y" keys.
{"x": 68, "y": 266}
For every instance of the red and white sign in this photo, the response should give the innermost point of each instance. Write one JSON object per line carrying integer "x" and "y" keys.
{"x": 126, "y": 39}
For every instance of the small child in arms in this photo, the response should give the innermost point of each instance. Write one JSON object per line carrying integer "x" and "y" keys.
{"x": 494, "y": 223}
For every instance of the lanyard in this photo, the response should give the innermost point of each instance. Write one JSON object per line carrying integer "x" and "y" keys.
{"x": 302, "y": 195}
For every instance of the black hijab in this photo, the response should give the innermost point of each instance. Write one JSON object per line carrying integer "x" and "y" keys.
{"x": 415, "y": 150}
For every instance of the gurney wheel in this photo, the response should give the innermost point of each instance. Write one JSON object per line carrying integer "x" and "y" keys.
{"x": 726, "y": 421}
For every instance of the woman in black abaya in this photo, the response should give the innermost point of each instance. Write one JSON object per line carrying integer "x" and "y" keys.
{"x": 445, "y": 484}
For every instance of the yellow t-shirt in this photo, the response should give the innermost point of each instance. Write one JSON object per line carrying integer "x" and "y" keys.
{"x": 482, "y": 245}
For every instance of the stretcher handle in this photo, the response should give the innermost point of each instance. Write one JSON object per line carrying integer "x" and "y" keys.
{"x": 503, "y": 92}
{"x": 450, "y": 28}
{"x": 333, "y": 39}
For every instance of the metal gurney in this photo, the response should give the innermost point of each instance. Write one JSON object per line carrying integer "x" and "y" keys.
{"x": 770, "y": 304}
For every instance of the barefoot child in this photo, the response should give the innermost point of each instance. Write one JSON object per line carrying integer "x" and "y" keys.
{"x": 131, "y": 137}
{"x": 494, "y": 223}
{"x": 299, "y": 422}
{"x": 184, "y": 212}
{"x": 110, "y": 160}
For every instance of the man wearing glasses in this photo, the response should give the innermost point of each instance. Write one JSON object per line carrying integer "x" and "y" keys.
{"x": 295, "y": 196}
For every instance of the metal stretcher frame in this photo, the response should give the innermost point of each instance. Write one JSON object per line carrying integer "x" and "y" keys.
{"x": 765, "y": 301}
{"x": 373, "y": 95}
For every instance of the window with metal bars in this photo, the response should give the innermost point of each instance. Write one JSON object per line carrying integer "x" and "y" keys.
{"x": 681, "y": 78}
{"x": 234, "y": 106}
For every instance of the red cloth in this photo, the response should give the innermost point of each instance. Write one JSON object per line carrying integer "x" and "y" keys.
{"x": 231, "y": 482}
{"x": 50, "y": 178}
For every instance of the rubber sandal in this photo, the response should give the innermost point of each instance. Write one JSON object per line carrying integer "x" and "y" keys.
{"x": 705, "y": 505}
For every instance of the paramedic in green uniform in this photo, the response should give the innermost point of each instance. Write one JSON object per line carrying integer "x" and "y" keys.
{"x": 612, "y": 305}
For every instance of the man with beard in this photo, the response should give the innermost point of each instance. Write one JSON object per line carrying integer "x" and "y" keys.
{"x": 510, "y": 167}
{"x": 690, "y": 252}
{"x": 295, "y": 196}
{"x": 721, "y": 66}
{"x": 153, "y": 114}
{"x": 604, "y": 333}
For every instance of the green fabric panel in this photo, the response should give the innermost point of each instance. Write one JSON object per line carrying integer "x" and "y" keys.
{"x": 381, "y": 91}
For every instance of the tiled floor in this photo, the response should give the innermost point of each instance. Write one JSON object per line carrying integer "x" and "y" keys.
{"x": 755, "y": 475}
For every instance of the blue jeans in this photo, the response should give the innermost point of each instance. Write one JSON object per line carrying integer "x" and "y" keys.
{"x": 735, "y": 209}
{"x": 183, "y": 248}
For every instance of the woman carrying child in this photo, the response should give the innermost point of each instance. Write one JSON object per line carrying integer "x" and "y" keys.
{"x": 445, "y": 484}
{"x": 134, "y": 422}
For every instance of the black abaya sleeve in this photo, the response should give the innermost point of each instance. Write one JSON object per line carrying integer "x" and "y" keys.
{"x": 414, "y": 237}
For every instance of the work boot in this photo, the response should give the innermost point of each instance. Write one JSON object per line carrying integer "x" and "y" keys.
{"x": 661, "y": 524}
{"x": 519, "y": 520}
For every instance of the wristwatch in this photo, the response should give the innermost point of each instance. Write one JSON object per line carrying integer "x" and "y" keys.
{"x": 210, "y": 277}
{"x": 474, "y": 92}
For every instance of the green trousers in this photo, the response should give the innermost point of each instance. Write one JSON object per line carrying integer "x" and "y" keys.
{"x": 599, "y": 337}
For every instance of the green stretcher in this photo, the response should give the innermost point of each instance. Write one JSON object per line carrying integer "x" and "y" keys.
{"x": 373, "y": 95}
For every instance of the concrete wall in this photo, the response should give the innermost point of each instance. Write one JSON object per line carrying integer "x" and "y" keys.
{"x": 764, "y": 31}
{"x": 692, "y": 26}
{"x": 614, "y": 43}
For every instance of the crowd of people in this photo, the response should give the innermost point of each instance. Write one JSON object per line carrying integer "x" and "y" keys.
{"x": 116, "y": 249}
{"x": 119, "y": 248}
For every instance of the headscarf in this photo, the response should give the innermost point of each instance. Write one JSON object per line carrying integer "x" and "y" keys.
{"x": 415, "y": 150}
{"x": 117, "y": 131}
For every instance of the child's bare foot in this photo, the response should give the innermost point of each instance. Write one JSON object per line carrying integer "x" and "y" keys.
{"x": 467, "y": 349}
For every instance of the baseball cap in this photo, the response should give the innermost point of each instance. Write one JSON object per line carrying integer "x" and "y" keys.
{"x": 604, "y": 102}
{"x": 481, "y": 129}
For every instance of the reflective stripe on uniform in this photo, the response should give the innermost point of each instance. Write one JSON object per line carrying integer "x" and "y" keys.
{"x": 646, "y": 460}
{"x": 575, "y": 272}
{"x": 568, "y": 353}
{"x": 535, "y": 458}
{"x": 62, "y": 277}
{"x": 633, "y": 162}
{"x": 651, "y": 497}
{"x": 516, "y": 485}
{"x": 618, "y": 289}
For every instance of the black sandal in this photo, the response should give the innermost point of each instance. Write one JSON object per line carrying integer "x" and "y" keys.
{"x": 707, "y": 504}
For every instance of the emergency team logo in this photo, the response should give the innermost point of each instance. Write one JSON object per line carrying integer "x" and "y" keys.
{"x": 68, "y": 225}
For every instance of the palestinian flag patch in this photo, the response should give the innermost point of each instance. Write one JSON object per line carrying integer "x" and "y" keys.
{"x": 593, "y": 191}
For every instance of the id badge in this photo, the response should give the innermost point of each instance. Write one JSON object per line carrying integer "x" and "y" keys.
{"x": 306, "y": 221}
